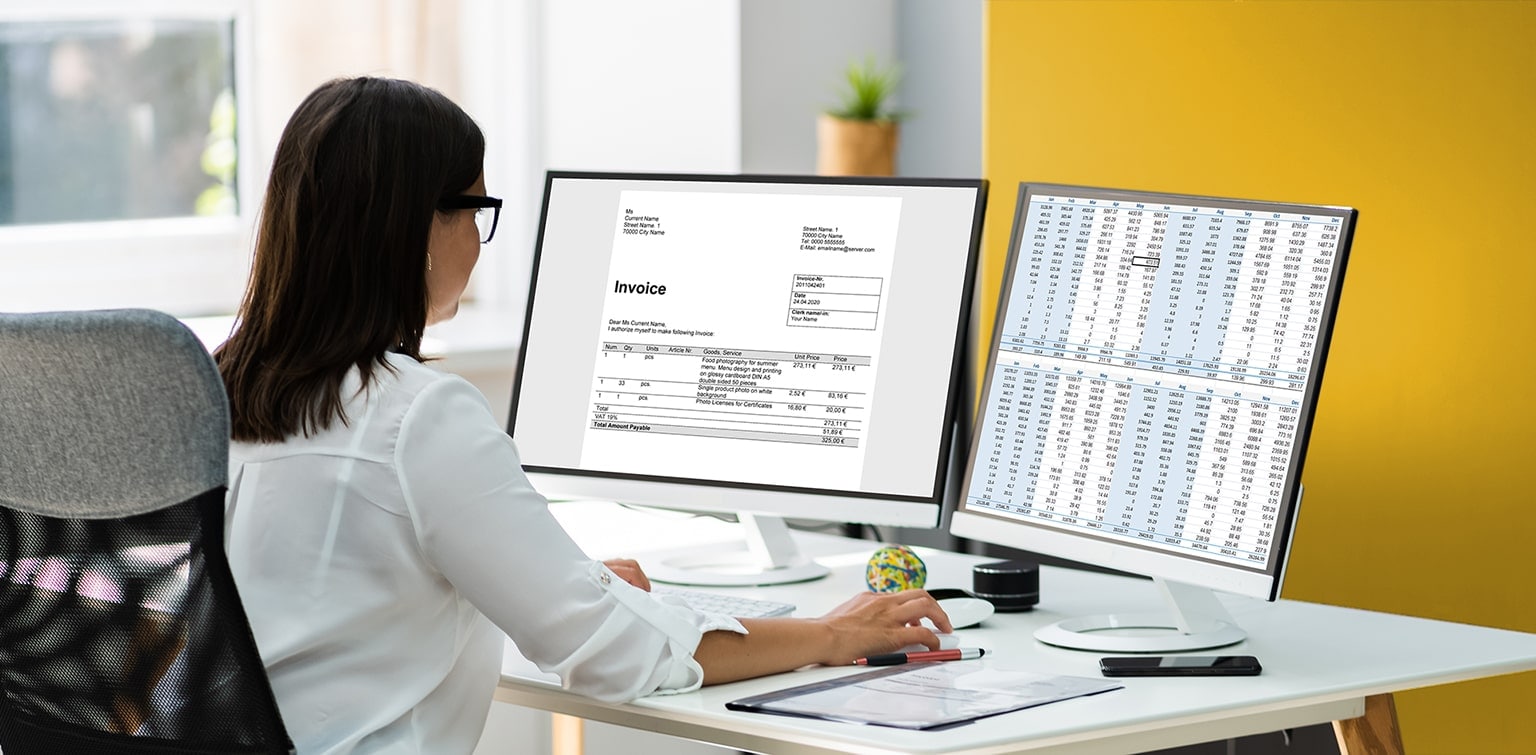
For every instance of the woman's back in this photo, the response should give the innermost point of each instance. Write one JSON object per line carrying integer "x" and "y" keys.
{"x": 325, "y": 551}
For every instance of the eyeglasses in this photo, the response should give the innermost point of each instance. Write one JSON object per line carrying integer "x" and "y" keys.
{"x": 485, "y": 220}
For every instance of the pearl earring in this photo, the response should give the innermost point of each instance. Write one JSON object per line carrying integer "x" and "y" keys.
{"x": 429, "y": 263}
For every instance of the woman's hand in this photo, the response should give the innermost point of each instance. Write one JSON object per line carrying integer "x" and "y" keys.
{"x": 871, "y": 623}
{"x": 868, "y": 624}
{"x": 629, "y": 570}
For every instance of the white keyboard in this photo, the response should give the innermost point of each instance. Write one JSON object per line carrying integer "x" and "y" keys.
{"x": 736, "y": 606}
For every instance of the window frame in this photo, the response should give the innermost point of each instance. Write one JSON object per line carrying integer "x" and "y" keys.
{"x": 186, "y": 266}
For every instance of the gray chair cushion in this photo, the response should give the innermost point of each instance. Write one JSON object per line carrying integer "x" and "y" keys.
{"x": 107, "y": 413}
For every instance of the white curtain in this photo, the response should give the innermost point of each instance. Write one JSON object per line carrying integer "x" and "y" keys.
{"x": 483, "y": 54}
{"x": 300, "y": 44}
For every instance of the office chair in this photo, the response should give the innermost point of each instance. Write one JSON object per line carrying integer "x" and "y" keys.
{"x": 120, "y": 627}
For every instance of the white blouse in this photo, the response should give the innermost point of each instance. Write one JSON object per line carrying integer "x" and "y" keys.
{"x": 380, "y": 562}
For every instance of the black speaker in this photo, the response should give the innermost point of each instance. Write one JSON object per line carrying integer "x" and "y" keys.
{"x": 1007, "y": 585}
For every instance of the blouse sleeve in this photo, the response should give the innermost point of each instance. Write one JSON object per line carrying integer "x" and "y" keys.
{"x": 480, "y": 522}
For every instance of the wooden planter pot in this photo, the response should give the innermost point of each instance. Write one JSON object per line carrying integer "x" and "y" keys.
{"x": 855, "y": 148}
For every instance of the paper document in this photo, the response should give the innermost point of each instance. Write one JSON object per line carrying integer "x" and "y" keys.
{"x": 924, "y": 695}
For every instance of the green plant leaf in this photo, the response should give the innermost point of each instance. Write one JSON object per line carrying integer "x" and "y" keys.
{"x": 868, "y": 89}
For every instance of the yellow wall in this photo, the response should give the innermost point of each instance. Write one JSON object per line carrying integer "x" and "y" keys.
{"x": 1422, "y": 115}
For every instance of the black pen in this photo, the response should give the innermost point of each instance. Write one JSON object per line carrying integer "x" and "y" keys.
{"x": 895, "y": 659}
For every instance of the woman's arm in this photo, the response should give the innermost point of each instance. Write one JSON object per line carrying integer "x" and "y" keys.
{"x": 864, "y": 625}
{"x": 481, "y": 524}
{"x": 869, "y": 623}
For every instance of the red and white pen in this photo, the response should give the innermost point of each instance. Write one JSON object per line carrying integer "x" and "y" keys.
{"x": 896, "y": 659}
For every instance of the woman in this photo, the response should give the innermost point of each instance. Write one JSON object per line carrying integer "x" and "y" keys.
{"x": 381, "y": 531}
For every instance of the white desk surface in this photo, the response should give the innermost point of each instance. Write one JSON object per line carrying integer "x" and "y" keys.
{"x": 1320, "y": 662}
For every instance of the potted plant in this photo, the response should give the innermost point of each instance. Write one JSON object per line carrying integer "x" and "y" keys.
{"x": 859, "y": 137}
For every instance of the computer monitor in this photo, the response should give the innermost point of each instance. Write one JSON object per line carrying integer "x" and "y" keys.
{"x": 1149, "y": 394}
{"x": 764, "y": 346}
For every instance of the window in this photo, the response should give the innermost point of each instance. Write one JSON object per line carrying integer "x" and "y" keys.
{"x": 134, "y": 138}
{"x": 121, "y": 155}
{"x": 116, "y": 120}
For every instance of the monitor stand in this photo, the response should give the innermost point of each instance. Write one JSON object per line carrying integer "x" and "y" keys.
{"x": 770, "y": 557}
{"x": 1195, "y": 620}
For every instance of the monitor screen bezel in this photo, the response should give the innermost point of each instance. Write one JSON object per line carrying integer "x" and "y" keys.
{"x": 728, "y": 496}
{"x": 986, "y": 526}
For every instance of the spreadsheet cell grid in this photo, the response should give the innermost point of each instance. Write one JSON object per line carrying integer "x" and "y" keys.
{"x": 1150, "y": 370}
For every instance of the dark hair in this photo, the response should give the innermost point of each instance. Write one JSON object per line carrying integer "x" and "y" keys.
{"x": 339, "y": 276}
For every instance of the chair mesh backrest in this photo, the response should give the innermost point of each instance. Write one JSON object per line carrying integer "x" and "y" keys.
{"x": 119, "y": 634}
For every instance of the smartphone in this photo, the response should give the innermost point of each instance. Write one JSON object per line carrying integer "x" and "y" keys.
{"x": 1180, "y": 665}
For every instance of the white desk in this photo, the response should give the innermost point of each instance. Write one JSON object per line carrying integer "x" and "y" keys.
{"x": 1320, "y": 662}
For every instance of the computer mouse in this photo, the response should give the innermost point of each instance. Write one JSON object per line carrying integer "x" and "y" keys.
{"x": 947, "y": 641}
{"x": 966, "y": 612}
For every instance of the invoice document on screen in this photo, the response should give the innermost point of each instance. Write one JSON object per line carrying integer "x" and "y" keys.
{"x": 718, "y": 307}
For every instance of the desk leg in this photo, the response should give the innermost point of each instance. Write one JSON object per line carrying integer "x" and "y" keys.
{"x": 565, "y": 735}
{"x": 1374, "y": 733}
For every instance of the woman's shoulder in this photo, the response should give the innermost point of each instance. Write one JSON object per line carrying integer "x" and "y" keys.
{"x": 373, "y": 417}
{"x": 411, "y": 384}
{"x": 409, "y": 374}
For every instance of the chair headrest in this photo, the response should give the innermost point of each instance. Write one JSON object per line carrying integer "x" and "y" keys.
{"x": 107, "y": 413}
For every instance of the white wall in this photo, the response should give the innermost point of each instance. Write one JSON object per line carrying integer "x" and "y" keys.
{"x": 793, "y": 55}
{"x": 939, "y": 45}
{"x": 641, "y": 86}
{"x": 700, "y": 85}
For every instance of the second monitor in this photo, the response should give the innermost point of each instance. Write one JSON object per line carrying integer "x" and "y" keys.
{"x": 765, "y": 346}
{"x": 1149, "y": 394}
